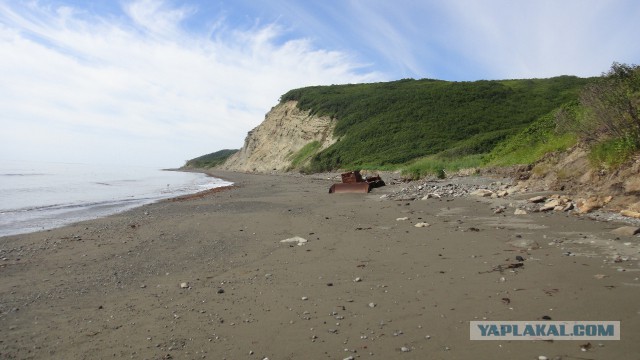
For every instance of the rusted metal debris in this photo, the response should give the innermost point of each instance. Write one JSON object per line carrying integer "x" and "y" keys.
{"x": 352, "y": 182}
{"x": 351, "y": 177}
{"x": 361, "y": 187}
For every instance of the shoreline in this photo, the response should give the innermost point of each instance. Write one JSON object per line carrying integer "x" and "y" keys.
{"x": 89, "y": 210}
{"x": 209, "y": 278}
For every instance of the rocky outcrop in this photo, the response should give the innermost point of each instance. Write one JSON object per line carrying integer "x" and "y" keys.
{"x": 284, "y": 132}
{"x": 594, "y": 188}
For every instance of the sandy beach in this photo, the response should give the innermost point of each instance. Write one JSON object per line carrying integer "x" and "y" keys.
{"x": 207, "y": 277}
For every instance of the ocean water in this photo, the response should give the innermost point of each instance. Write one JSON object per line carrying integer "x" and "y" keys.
{"x": 37, "y": 196}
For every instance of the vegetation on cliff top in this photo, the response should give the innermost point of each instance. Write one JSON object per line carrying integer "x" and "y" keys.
{"x": 605, "y": 119}
{"x": 393, "y": 123}
{"x": 209, "y": 160}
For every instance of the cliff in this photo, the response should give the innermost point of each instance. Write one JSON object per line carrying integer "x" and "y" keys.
{"x": 279, "y": 140}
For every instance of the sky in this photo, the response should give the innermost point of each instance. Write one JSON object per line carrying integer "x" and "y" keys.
{"x": 155, "y": 83}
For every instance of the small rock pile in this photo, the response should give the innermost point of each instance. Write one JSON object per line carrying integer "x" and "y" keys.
{"x": 428, "y": 190}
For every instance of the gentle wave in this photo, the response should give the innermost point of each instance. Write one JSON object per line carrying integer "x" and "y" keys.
{"x": 70, "y": 193}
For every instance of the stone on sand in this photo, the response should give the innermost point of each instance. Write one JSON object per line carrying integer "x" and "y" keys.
{"x": 524, "y": 244}
{"x": 294, "y": 240}
{"x": 482, "y": 192}
{"x": 630, "y": 213}
{"x": 537, "y": 199}
{"x": 626, "y": 231}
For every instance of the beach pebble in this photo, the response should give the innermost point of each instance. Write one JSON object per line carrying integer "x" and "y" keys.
{"x": 304, "y": 298}
{"x": 482, "y": 193}
{"x": 295, "y": 240}
{"x": 524, "y": 244}
{"x": 372, "y": 305}
{"x": 405, "y": 349}
{"x": 402, "y": 218}
{"x": 626, "y": 231}
{"x": 357, "y": 279}
{"x": 184, "y": 285}
{"x": 421, "y": 225}
{"x": 431, "y": 195}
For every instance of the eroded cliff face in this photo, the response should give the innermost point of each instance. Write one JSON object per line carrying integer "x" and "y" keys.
{"x": 284, "y": 131}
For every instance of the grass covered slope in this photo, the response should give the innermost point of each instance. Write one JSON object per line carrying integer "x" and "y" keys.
{"x": 209, "y": 160}
{"x": 393, "y": 123}
{"x": 532, "y": 143}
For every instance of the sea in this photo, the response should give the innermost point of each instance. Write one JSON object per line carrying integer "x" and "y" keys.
{"x": 38, "y": 196}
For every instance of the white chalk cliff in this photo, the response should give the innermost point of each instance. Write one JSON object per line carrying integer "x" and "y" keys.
{"x": 273, "y": 144}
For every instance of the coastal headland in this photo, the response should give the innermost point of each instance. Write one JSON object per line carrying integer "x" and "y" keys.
{"x": 208, "y": 277}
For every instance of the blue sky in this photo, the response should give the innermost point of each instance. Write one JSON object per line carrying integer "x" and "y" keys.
{"x": 154, "y": 83}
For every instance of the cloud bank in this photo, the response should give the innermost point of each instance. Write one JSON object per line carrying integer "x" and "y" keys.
{"x": 136, "y": 86}
{"x": 470, "y": 40}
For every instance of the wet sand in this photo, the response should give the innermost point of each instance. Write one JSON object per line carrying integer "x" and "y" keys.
{"x": 111, "y": 287}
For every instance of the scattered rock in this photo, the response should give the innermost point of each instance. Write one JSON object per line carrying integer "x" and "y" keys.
{"x": 421, "y": 225}
{"x": 184, "y": 285}
{"x": 482, "y": 193}
{"x": 626, "y": 231}
{"x": 600, "y": 276}
{"x": 295, "y": 240}
{"x": 431, "y": 196}
{"x": 220, "y": 291}
{"x": 405, "y": 349}
{"x": 304, "y": 298}
{"x": 630, "y": 213}
{"x": 402, "y": 218}
{"x": 372, "y": 305}
{"x": 537, "y": 199}
{"x": 588, "y": 205}
{"x": 524, "y": 244}
{"x": 519, "y": 212}
{"x": 357, "y": 279}
{"x": 551, "y": 205}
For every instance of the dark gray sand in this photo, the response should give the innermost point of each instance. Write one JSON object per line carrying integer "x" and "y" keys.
{"x": 364, "y": 285}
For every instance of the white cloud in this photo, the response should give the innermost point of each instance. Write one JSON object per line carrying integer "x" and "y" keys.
{"x": 469, "y": 39}
{"x": 140, "y": 88}
{"x": 518, "y": 39}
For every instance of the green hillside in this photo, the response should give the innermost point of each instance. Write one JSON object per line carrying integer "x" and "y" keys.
{"x": 388, "y": 124}
{"x": 210, "y": 160}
